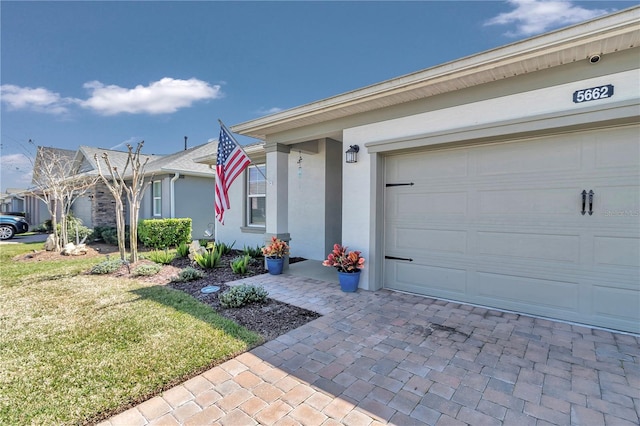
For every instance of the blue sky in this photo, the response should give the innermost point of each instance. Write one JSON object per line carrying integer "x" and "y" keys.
{"x": 109, "y": 73}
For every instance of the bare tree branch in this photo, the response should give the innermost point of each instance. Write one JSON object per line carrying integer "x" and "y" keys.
{"x": 132, "y": 183}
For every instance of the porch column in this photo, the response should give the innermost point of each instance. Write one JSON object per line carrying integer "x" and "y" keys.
{"x": 363, "y": 210}
{"x": 277, "y": 220}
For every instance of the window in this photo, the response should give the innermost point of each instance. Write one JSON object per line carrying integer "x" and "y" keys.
{"x": 157, "y": 198}
{"x": 256, "y": 196}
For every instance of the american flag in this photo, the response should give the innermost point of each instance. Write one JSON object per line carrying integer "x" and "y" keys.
{"x": 231, "y": 161}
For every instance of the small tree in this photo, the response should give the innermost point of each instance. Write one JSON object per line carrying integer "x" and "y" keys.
{"x": 116, "y": 187}
{"x": 130, "y": 181}
{"x": 56, "y": 184}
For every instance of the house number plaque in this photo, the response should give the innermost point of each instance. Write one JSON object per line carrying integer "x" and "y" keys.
{"x": 593, "y": 93}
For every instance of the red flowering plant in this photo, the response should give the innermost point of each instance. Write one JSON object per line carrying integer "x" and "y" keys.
{"x": 277, "y": 248}
{"x": 344, "y": 261}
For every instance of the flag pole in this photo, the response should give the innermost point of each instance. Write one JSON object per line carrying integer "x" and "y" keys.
{"x": 239, "y": 146}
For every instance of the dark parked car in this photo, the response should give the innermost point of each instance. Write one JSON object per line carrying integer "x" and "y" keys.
{"x": 11, "y": 225}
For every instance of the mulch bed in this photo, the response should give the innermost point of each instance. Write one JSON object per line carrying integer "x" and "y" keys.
{"x": 269, "y": 319}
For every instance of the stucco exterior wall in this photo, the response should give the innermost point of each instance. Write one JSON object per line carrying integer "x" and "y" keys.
{"x": 356, "y": 201}
{"x": 334, "y": 162}
{"x": 315, "y": 200}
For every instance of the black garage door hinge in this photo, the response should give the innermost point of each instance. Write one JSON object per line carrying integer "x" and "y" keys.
{"x": 399, "y": 258}
{"x": 399, "y": 184}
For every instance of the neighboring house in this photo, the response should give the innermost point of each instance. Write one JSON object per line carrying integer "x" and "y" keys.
{"x": 179, "y": 188}
{"x": 97, "y": 206}
{"x": 23, "y": 201}
{"x": 12, "y": 200}
{"x": 470, "y": 177}
{"x": 182, "y": 188}
{"x": 36, "y": 209}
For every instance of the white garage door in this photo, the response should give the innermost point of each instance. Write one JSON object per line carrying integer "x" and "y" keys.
{"x": 501, "y": 225}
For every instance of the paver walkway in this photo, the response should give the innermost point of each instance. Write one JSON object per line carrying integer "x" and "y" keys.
{"x": 391, "y": 358}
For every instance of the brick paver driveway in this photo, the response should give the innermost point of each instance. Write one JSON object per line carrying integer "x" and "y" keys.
{"x": 391, "y": 358}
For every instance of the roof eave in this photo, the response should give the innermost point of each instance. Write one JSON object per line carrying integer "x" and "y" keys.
{"x": 482, "y": 65}
{"x": 189, "y": 173}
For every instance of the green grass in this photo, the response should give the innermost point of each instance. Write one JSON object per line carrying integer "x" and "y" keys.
{"x": 76, "y": 347}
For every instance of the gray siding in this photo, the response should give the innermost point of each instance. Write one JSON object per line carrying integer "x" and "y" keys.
{"x": 195, "y": 199}
{"x": 82, "y": 209}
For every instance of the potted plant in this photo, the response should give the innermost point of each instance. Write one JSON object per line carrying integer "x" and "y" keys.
{"x": 348, "y": 264}
{"x": 274, "y": 253}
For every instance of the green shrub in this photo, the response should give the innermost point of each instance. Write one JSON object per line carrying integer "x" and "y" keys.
{"x": 98, "y": 230}
{"x": 147, "y": 269}
{"x": 163, "y": 233}
{"x": 162, "y": 257}
{"x": 110, "y": 235}
{"x": 252, "y": 252}
{"x": 210, "y": 259}
{"x": 42, "y": 228}
{"x": 225, "y": 248}
{"x": 188, "y": 274}
{"x": 106, "y": 267}
{"x": 182, "y": 250}
{"x": 242, "y": 295}
{"x": 75, "y": 224}
{"x": 240, "y": 265}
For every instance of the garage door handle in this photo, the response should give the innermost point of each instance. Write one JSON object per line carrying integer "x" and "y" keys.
{"x": 584, "y": 201}
{"x": 399, "y": 184}
{"x": 408, "y": 259}
{"x": 591, "y": 194}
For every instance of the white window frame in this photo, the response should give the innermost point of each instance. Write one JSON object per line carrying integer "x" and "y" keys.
{"x": 250, "y": 197}
{"x": 156, "y": 204}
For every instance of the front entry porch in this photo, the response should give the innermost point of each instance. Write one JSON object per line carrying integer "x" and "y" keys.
{"x": 313, "y": 269}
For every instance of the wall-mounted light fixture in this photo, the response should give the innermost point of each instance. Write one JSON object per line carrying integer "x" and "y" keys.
{"x": 352, "y": 154}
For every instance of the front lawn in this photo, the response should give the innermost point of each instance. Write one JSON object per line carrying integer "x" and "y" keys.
{"x": 76, "y": 347}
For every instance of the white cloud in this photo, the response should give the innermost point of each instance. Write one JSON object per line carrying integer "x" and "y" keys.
{"x": 537, "y": 16}
{"x": 38, "y": 99}
{"x": 273, "y": 110}
{"x": 16, "y": 171}
{"x": 160, "y": 97}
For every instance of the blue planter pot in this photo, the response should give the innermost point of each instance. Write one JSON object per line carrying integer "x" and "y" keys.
{"x": 349, "y": 281}
{"x": 275, "y": 264}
